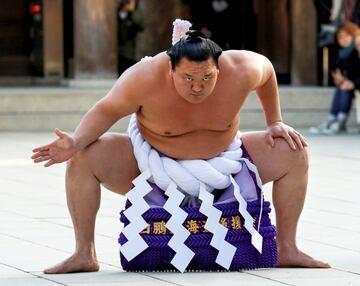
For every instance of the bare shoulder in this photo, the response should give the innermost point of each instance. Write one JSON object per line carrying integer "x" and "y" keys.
{"x": 132, "y": 88}
{"x": 137, "y": 80}
{"x": 251, "y": 67}
{"x": 143, "y": 74}
{"x": 245, "y": 59}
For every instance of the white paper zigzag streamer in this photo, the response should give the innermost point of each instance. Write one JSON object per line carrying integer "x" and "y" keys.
{"x": 183, "y": 254}
{"x": 135, "y": 244}
{"x": 235, "y": 152}
{"x": 253, "y": 168}
{"x": 226, "y": 250}
{"x": 256, "y": 238}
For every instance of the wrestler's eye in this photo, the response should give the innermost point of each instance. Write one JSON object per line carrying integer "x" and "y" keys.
{"x": 188, "y": 78}
{"x": 206, "y": 78}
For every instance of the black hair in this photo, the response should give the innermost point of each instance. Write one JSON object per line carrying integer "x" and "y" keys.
{"x": 195, "y": 47}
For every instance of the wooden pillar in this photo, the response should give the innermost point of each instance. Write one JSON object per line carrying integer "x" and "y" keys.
{"x": 95, "y": 39}
{"x": 273, "y": 33}
{"x": 303, "y": 43}
{"x": 159, "y": 15}
{"x": 53, "y": 38}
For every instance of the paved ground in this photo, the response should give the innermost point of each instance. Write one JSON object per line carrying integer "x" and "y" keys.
{"x": 35, "y": 228}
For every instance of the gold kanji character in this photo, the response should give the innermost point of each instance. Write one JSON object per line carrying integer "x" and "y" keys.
{"x": 235, "y": 222}
{"x": 223, "y": 221}
{"x": 192, "y": 226}
{"x": 159, "y": 227}
{"x": 146, "y": 230}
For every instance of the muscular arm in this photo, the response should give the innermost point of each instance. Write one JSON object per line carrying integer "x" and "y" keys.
{"x": 257, "y": 73}
{"x": 267, "y": 91}
{"x": 120, "y": 101}
{"x": 261, "y": 76}
{"x": 124, "y": 98}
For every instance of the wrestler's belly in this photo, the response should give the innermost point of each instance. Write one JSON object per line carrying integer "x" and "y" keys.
{"x": 199, "y": 144}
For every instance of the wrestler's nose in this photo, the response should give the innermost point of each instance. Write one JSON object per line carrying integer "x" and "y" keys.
{"x": 197, "y": 87}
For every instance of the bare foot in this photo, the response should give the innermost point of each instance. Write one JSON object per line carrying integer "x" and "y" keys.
{"x": 295, "y": 258}
{"x": 75, "y": 263}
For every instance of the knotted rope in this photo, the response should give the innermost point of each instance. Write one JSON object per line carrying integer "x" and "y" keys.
{"x": 187, "y": 174}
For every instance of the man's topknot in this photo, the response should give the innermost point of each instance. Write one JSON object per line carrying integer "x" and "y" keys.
{"x": 195, "y": 47}
{"x": 193, "y": 36}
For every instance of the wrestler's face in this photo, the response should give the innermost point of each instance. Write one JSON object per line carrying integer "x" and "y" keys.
{"x": 195, "y": 81}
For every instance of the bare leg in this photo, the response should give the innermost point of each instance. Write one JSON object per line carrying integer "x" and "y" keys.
{"x": 108, "y": 161}
{"x": 289, "y": 171}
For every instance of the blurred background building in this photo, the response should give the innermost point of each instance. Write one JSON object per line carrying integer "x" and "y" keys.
{"x": 64, "y": 55}
{"x": 52, "y": 41}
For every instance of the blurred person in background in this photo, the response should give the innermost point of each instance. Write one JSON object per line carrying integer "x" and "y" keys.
{"x": 352, "y": 82}
{"x": 331, "y": 14}
{"x": 213, "y": 17}
{"x": 130, "y": 23}
{"x": 344, "y": 91}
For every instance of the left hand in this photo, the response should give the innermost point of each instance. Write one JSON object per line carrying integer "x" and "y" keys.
{"x": 291, "y": 136}
{"x": 347, "y": 85}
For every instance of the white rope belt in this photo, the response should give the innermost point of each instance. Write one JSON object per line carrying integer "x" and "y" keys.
{"x": 186, "y": 174}
{"x": 196, "y": 178}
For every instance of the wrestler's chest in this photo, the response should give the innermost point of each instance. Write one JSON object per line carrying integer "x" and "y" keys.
{"x": 171, "y": 119}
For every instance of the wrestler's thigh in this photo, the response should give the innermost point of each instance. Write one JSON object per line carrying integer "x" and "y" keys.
{"x": 112, "y": 161}
{"x": 272, "y": 162}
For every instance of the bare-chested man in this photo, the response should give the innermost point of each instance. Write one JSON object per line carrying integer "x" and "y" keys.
{"x": 187, "y": 102}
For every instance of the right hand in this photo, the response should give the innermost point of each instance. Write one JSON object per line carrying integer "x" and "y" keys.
{"x": 60, "y": 150}
{"x": 338, "y": 77}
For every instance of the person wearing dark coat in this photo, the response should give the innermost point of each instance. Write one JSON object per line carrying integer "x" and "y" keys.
{"x": 130, "y": 23}
{"x": 344, "y": 90}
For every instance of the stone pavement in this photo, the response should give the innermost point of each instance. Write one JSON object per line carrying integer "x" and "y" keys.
{"x": 36, "y": 231}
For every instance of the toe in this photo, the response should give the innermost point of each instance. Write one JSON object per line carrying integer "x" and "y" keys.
{"x": 51, "y": 270}
{"x": 320, "y": 264}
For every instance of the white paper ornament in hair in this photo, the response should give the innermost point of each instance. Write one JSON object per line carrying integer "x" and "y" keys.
{"x": 180, "y": 27}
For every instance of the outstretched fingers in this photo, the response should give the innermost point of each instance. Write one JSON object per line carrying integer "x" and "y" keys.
{"x": 42, "y": 148}
{"x": 42, "y": 159}
{"x": 40, "y": 154}
{"x": 60, "y": 133}
{"x": 49, "y": 163}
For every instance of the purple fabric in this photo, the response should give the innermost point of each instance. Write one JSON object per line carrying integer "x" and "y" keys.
{"x": 158, "y": 256}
